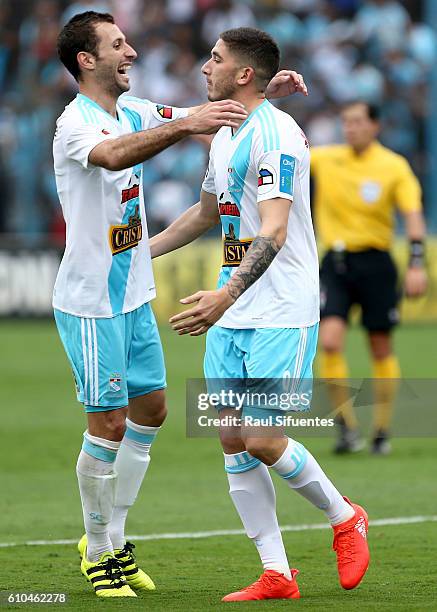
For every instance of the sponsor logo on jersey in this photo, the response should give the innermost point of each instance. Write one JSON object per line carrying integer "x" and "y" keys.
{"x": 267, "y": 178}
{"x": 166, "y": 112}
{"x": 229, "y": 209}
{"x": 114, "y": 383}
{"x": 287, "y": 165}
{"x": 125, "y": 237}
{"x": 234, "y": 250}
{"x": 133, "y": 190}
{"x": 106, "y": 132}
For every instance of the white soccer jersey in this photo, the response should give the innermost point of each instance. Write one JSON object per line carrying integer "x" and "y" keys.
{"x": 106, "y": 268}
{"x": 268, "y": 157}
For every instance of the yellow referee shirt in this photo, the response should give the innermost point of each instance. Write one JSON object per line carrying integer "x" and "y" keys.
{"x": 356, "y": 195}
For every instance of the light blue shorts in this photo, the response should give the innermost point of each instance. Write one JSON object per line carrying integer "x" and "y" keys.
{"x": 113, "y": 359}
{"x": 284, "y": 356}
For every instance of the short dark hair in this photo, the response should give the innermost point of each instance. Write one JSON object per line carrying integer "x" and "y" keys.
{"x": 373, "y": 111}
{"x": 257, "y": 49}
{"x": 79, "y": 34}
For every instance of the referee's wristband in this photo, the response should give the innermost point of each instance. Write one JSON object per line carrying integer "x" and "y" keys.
{"x": 417, "y": 254}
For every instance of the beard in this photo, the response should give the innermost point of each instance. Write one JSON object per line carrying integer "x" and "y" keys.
{"x": 107, "y": 80}
{"x": 223, "y": 90}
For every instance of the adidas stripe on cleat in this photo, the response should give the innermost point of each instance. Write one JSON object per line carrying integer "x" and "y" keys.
{"x": 135, "y": 577}
{"x": 106, "y": 576}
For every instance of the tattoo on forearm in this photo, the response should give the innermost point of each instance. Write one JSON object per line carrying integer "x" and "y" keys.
{"x": 258, "y": 258}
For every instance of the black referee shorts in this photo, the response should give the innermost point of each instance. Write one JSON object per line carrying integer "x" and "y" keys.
{"x": 368, "y": 278}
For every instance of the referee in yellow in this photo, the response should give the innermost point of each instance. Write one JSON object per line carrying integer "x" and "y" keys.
{"x": 359, "y": 186}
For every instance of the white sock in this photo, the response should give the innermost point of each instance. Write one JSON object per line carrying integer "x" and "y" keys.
{"x": 96, "y": 477}
{"x": 131, "y": 466}
{"x": 303, "y": 474}
{"x": 251, "y": 489}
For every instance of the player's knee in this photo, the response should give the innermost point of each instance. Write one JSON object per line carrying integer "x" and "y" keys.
{"x": 262, "y": 448}
{"x": 331, "y": 343}
{"x": 112, "y": 425}
{"x": 331, "y": 335}
{"x": 232, "y": 445}
{"x": 149, "y": 409}
{"x": 380, "y": 345}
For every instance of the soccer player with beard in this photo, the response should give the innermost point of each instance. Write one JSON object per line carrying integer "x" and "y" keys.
{"x": 105, "y": 282}
{"x": 262, "y": 321}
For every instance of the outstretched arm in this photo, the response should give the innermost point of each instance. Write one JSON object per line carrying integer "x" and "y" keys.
{"x": 211, "y": 305}
{"x": 190, "y": 225}
{"x": 132, "y": 149}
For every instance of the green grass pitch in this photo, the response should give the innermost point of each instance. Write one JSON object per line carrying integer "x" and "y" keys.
{"x": 186, "y": 490}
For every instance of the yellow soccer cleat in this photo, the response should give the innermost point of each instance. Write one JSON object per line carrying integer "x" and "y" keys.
{"x": 105, "y": 575}
{"x": 135, "y": 577}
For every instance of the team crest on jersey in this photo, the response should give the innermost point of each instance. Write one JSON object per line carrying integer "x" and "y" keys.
{"x": 127, "y": 236}
{"x": 370, "y": 191}
{"x": 266, "y": 178}
{"x": 115, "y": 382}
{"x": 166, "y": 112}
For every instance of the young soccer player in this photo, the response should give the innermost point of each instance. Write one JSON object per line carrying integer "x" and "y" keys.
{"x": 105, "y": 283}
{"x": 262, "y": 321}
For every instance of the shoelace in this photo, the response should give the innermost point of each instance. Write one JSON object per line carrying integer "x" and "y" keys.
{"x": 113, "y": 570}
{"x": 266, "y": 580}
{"x": 128, "y": 549}
{"x": 346, "y": 544}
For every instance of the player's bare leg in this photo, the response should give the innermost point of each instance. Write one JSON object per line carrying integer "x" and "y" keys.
{"x": 333, "y": 366}
{"x": 386, "y": 374}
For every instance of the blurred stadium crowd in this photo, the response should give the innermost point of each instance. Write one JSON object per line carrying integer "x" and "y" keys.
{"x": 379, "y": 50}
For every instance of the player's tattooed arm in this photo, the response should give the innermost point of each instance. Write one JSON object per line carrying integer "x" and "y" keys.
{"x": 209, "y": 306}
{"x": 258, "y": 258}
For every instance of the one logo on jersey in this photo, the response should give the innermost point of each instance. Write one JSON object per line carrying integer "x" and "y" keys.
{"x": 266, "y": 178}
{"x": 106, "y": 132}
{"x": 233, "y": 183}
{"x": 287, "y": 165}
{"x": 115, "y": 382}
{"x": 125, "y": 237}
{"x": 229, "y": 209}
{"x": 234, "y": 250}
{"x": 370, "y": 191}
{"x": 132, "y": 191}
{"x": 166, "y": 112}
